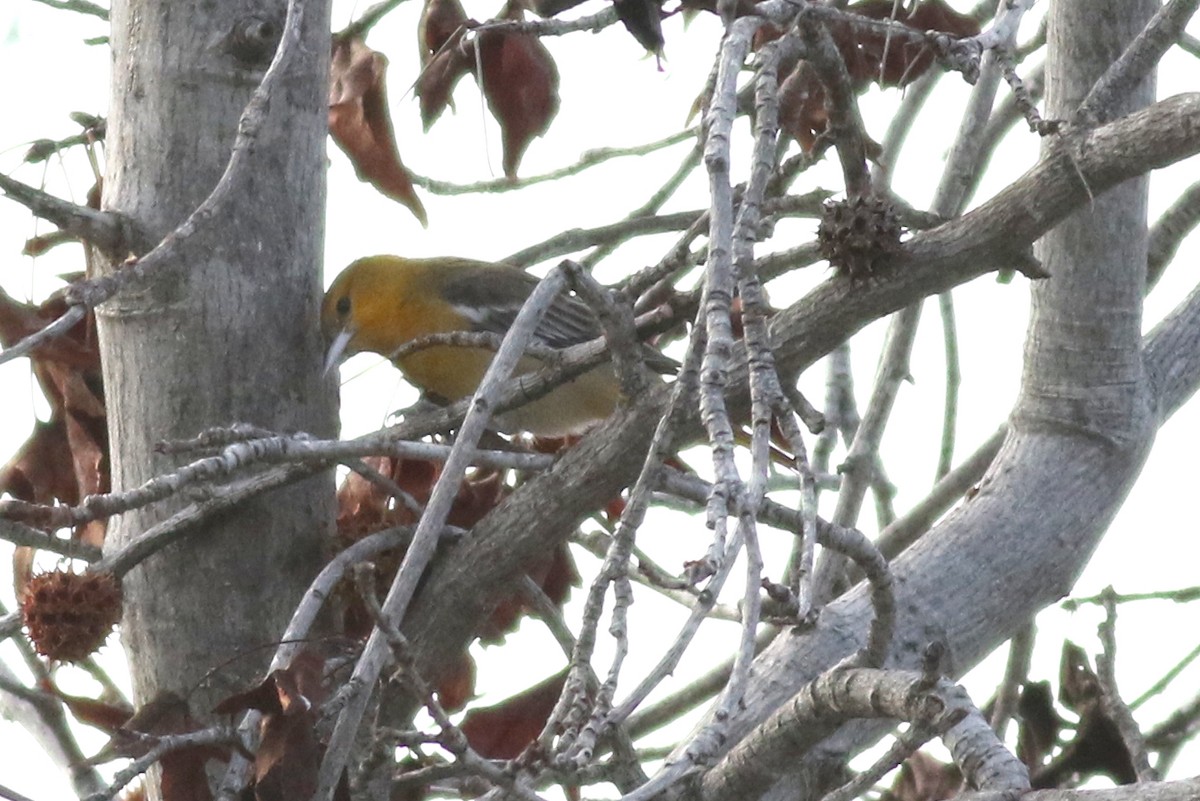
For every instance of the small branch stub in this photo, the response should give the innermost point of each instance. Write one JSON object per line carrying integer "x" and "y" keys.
{"x": 253, "y": 40}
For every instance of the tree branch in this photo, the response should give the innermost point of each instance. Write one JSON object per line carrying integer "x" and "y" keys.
{"x": 1172, "y": 355}
{"x": 838, "y": 695}
{"x": 104, "y": 229}
{"x": 1138, "y": 60}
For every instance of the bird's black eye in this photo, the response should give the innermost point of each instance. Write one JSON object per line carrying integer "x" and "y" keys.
{"x": 343, "y": 305}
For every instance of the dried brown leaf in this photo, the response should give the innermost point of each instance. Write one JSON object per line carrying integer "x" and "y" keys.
{"x": 802, "y": 113}
{"x": 436, "y": 83}
{"x": 923, "y": 778}
{"x": 184, "y": 777}
{"x": 520, "y": 82}
{"x": 443, "y": 63}
{"x": 441, "y": 21}
{"x": 870, "y": 56}
{"x": 289, "y": 756}
{"x": 456, "y": 684}
{"x": 360, "y": 123}
{"x": 98, "y": 713}
{"x": 66, "y": 457}
{"x": 555, "y": 573}
{"x": 1039, "y": 724}
{"x": 890, "y": 60}
{"x": 504, "y": 730}
{"x": 643, "y": 19}
{"x": 1097, "y": 747}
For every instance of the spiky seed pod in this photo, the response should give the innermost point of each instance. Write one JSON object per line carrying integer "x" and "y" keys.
{"x": 69, "y": 615}
{"x": 856, "y": 233}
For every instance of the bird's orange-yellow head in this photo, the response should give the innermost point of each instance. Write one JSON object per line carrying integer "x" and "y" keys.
{"x": 363, "y": 309}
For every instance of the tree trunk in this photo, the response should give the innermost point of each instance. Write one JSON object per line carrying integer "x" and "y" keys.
{"x": 227, "y": 334}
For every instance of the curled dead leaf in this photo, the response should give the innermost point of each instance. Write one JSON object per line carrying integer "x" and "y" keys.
{"x": 360, "y": 124}
{"x": 443, "y": 62}
{"x": 66, "y": 457}
{"x": 289, "y": 755}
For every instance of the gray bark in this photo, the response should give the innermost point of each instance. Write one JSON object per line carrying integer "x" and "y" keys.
{"x": 228, "y": 334}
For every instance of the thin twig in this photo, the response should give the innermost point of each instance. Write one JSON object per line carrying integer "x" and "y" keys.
{"x": 845, "y": 124}
{"x": 451, "y": 737}
{"x": 296, "y": 635}
{"x": 1016, "y": 671}
{"x": 217, "y": 735}
{"x": 587, "y": 160}
{"x": 953, "y": 382}
{"x": 60, "y": 326}
{"x": 361, "y": 26}
{"x": 1116, "y": 709}
{"x": 239, "y": 457}
{"x": 679, "y": 703}
{"x": 950, "y": 490}
{"x": 904, "y": 746}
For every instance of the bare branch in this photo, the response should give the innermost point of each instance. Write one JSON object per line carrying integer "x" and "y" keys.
{"x": 167, "y": 744}
{"x": 590, "y": 473}
{"x": 838, "y": 695}
{"x": 1172, "y": 353}
{"x": 1169, "y": 232}
{"x": 845, "y": 121}
{"x": 297, "y": 633}
{"x": 1016, "y": 672}
{"x": 1136, "y": 62}
{"x": 104, "y": 229}
{"x": 1182, "y": 790}
{"x": 44, "y": 721}
{"x": 587, "y": 160}
{"x": 19, "y": 534}
{"x": 953, "y": 487}
{"x": 239, "y": 457}
{"x": 1114, "y": 706}
{"x": 990, "y": 236}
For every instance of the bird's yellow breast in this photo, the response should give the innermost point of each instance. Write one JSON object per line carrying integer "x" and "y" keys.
{"x": 394, "y": 301}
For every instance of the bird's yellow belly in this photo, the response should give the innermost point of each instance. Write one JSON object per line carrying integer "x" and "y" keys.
{"x": 454, "y": 373}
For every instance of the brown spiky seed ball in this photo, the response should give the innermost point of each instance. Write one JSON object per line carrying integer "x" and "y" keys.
{"x": 69, "y": 615}
{"x": 855, "y": 234}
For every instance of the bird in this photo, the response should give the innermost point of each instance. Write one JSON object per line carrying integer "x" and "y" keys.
{"x": 381, "y": 303}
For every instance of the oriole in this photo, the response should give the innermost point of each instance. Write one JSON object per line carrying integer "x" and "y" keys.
{"x": 380, "y": 303}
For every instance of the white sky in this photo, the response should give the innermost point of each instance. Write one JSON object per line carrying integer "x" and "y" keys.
{"x": 613, "y": 96}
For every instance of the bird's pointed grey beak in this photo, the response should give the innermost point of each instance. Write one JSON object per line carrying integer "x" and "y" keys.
{"x": 337, "y": 350}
